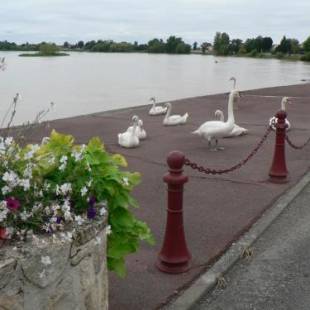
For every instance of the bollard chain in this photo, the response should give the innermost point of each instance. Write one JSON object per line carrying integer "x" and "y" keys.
{"x": 294, "y": 146}
{"x": 235, "y": 167}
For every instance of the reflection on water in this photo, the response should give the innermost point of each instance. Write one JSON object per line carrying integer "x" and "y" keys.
{"x": 91, "y": 82}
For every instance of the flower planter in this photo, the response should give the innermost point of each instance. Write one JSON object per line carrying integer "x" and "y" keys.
{"x": 56, "y": 272}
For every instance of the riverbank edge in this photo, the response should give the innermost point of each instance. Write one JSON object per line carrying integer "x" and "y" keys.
{"x": 143, "y": 106}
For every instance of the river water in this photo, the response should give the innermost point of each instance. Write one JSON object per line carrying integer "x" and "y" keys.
{"x": 84, "y": 83}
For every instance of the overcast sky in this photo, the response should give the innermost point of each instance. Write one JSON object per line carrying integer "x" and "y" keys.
{"x": 142, "y": 20}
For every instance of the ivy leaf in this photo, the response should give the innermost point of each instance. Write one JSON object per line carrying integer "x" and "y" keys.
{"x": 118, "y": 265}
{"x": 122, "y": 218}
{"x": 120, "y": 160}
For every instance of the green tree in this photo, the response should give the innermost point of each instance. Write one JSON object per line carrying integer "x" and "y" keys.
{"x": 284, "y": 46}
{"x": 47, "y": 49}
{"x": 205, "y": 46}
{"x": 295, "y": 46}
{"x": 234, "y": 46}
{"x": 156, "y": 46}
{"x": 267, "y": 44}
{"x": 221, "y": 43}
{"x": 172, "y": 43}
{"x": 306, "y": 45}
{"x": 80, "y": 44}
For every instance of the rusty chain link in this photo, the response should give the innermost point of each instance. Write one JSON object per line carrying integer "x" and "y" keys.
{"x": 294, "y": 146}
{"x": 235, "y": 167}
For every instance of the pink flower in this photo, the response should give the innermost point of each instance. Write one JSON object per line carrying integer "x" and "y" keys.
{"x": 12, "y": 203}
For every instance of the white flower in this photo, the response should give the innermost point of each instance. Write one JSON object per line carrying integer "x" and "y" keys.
{"x": 5, "y": 189}
{"x": 63, "y": 160}
{"x": 63, "y": 189}
{"x": 77, "y": 155}
{"x": 84, "y": 191}
{"x": 102, "y": 211}
{"x": 45, "y": 140}
{"x": 89, "y": 183}
{"x": 24, "y": 215}
{"x": 47, "y": 186}
{"x": 51, "y": 160}
{"x": 11, "y": 178}
{"x": 3, "y": 214}
{"x": 79, "y": 219}
{"x": 28, "y": 171}
{"x": 33, "y": 149}
{"x": 8, "y": 141}
{"x": 68, "y": 216}
{"x": 25, "y": 183}
{"x": 53, "y": 219}
{"x": 108, "y": 230}
{"x": 126, "y": 181}
{"x": 46, "y": 260}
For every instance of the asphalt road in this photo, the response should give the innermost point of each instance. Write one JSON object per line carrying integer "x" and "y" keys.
{"x": 277, "y": 275}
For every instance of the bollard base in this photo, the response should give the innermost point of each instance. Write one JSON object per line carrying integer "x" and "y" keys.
{"x": 173, "y": 268}
{"x": 278, "y": 180}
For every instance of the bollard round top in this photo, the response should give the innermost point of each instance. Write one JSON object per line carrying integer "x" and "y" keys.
{"x": 281, "y": 114}
{"x": 175, "y": 160}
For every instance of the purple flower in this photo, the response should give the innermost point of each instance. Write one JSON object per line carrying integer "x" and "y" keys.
{"x": 92, "y": 201}
{"x": 59, "y": 219}
{"x": 91, "y": 213}
{"x": 12, "y": 203}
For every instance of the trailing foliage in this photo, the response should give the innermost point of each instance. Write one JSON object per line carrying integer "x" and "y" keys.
{"x": 54, "y": 186}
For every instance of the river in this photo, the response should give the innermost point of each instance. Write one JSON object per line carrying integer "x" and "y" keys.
{"x": 84, "y": 83}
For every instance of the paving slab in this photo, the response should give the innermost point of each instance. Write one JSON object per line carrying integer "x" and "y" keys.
{"x": 217, "y": 209}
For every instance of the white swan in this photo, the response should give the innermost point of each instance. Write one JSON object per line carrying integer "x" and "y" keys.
{"x": 217, "y": 129}
{"x": 234, "y": 80}
{"x": 129, "y": 139}
{"x": 157, "y": 110}
{"x": 171, "y": 120}
{"x": 273, "y": 120}
{"x": 140, "y": 131}
{"x": 236, "y": 131}
{"x": 219, "y": 115}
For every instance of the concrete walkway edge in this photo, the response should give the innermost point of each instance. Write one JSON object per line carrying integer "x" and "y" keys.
{"x": 210, "y": 278}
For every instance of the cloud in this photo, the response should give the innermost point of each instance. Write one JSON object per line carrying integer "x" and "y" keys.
{"x": 194, "y": 20}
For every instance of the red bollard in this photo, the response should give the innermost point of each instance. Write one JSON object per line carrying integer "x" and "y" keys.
{"x": 174, "y": 256}
{"x": 278, "y": 171}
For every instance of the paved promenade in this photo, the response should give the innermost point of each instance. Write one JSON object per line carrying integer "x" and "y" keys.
{"x": 276, "y": 277}
{"x": 217, "y": 209}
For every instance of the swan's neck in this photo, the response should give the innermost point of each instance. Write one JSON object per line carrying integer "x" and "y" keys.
{"x": 230, "y": 110}
{"x": 283, "y": 105}
{"x": 168, "y": 112}
{"x": 154, "y": 103}
{"x": 133, "y": 132}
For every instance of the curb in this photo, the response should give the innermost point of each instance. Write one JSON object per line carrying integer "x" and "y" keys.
{"x": 209, "y": 279}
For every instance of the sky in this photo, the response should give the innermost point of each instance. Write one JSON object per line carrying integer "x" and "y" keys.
{"x": 142, "y": 20}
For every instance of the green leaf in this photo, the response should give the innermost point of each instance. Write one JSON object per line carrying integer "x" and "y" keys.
{"x": 117, "y": 265}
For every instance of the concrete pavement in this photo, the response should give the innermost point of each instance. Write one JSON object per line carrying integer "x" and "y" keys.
{"x": 217, "y": 209}
{"x": 277, "y": 275}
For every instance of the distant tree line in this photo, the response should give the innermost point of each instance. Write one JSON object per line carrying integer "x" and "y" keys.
{"x": 260, "y": 46}
{"x": 222, "y": 45}
{"x": 173, "y": 45}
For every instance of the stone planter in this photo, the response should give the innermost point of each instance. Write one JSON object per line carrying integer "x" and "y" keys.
{"x": 42, "y": 274}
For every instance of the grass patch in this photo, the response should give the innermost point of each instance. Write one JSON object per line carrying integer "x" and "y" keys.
{"x": 42, "y": 55}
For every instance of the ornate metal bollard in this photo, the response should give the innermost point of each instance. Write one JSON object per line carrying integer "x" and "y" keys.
{"x": 174, "y": 256}
{"x": 278, "y": 171}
